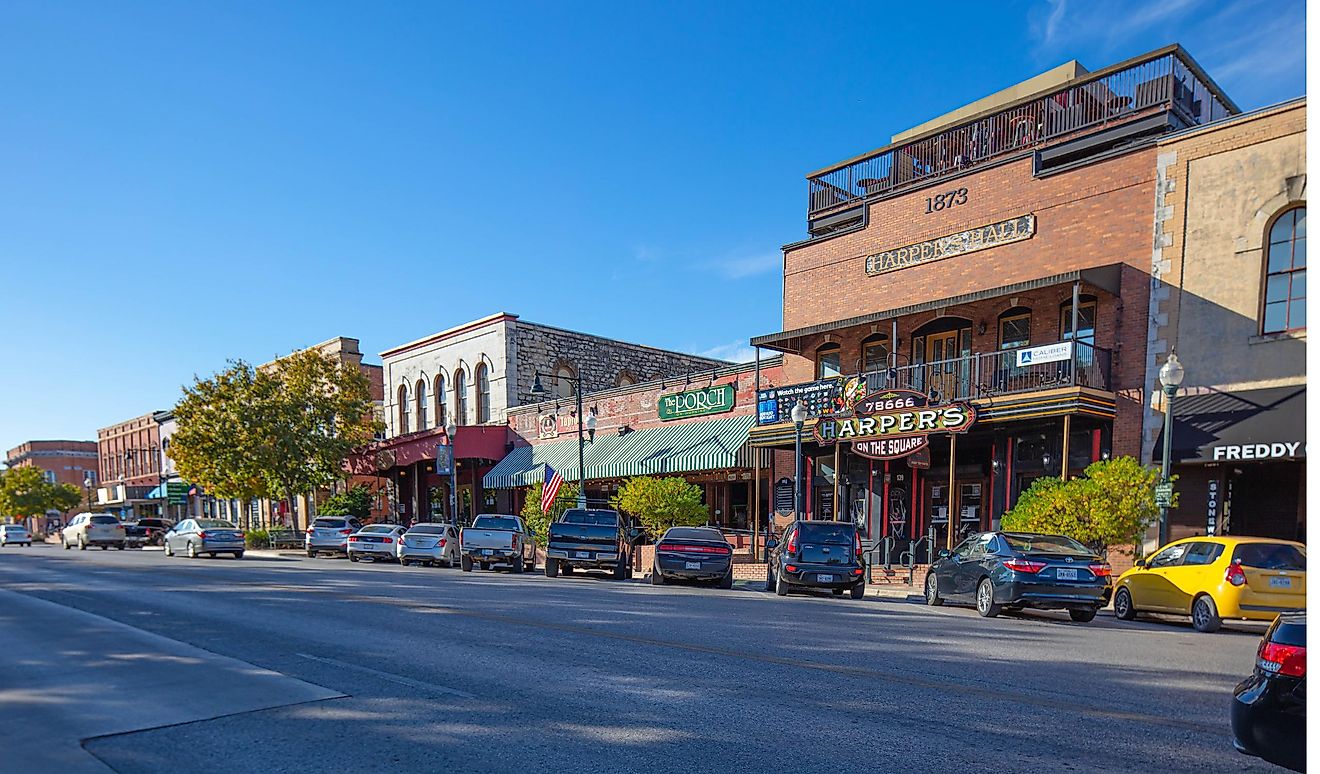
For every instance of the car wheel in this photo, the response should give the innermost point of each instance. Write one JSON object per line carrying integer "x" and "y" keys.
{"x": 467, "y": 564}
{"x": 620, "y": 571}
{"x": 656, "y": 578}
{"x": 120, "y": 546}
{"x": 858, "y": 591}
{"x": 82, "y": 543}
{"x": 1205, "y": 616}
{"x": 1082, "y": 615}
{"x": 727, "y": 581}
{"x": 933, "y": 590}
{"x": 517, "y": 565}
{"x": 105, "y": 547}
{"x": 781, "y": 588}
{"x": 192, "y": 550}
{"x": 168, "y": 551}
{"x": 769, "y": 579}
{"x": 1123, "y": 607}
{"x": 238, "y": 554}
{"x": 551, "y": 568}
{"x": 65, "y": 543}
{"x": 985, "y": 599}
{"x": 311, "y": 554}
{"x": 352, "y": 557}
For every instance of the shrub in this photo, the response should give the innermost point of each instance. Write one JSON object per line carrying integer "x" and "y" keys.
{"x": 537, "y": 520}
{"x": 257, "y": 538}
{"x": 661, "y": 503}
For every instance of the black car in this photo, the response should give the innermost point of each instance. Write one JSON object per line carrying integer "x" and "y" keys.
{"x": 818, "y": 555}
{"x": 1013, "y": 570}
{"x": 695, "y": 554}
{"x": 1269, "y": 708}
{"x": 146, "y": 532}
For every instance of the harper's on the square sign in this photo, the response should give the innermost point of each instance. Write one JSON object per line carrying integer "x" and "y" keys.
{"x": 969, "y": 241}
{"x": 895, "y": 423}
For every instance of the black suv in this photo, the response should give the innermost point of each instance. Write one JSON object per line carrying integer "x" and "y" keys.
{"x": 1269, "y": 708}
{"x": 818, "y": 555}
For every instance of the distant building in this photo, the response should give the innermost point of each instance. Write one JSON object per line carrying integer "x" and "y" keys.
{"x": 129, "y": 453}
{"x": 63, "y": 462}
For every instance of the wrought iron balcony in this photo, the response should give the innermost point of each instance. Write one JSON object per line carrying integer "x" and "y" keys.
{"x": 1167, "y": 80}
{"x": 986, "y": 375}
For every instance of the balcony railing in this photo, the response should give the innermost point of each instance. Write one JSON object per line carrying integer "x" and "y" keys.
{"x": 986, "y": 375}
{"x": 1164, "y": 80}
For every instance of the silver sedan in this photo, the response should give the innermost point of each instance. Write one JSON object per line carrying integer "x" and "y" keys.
{"x": 377, "y": 542}
{"x": 204, "y": 536}
{"x": 429, "y": 544}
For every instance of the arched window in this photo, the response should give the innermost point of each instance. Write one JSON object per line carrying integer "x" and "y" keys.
{"x": 564, "y": 381}
{"x": 421, "y": 404}
{"x": 403, "y": 409}
{"x": 828, "y": 361}
{"x": 1015, "y": 328}
{"x": 625, "y": 379}
{"x": 483, "y": 394}
{"x": 1284, "y": 304}
{"x": 460, "y": 397}
{"x": 875, "y": 353}
{"x": 440, "y": 399}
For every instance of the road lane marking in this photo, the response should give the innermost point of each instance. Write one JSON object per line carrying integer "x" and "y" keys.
{"x": 390, "y": 676}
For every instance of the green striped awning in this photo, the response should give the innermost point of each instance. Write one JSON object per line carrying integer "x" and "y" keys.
{"x": 681, "y": 447}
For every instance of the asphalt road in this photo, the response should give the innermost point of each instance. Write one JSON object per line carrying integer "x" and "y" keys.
{"x": 428, "y": 669}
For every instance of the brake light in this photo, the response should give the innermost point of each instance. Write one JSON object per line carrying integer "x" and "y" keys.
{"x": 857, "y": 571}
{"x": 792, "y": 542}
{"x": 344, "y": 531}
{"x": 790, "y": 567}
{"x": 857, "y": 543}
{"x": 201, "y": 535}
{"x": 689, "y": 549}
{"x": 1235, "y": 576}
{"x": 387, "y": 540}
{"x": 1024, "y": 565}
{"x": 1101, "y": 570}
{"x": 310, "y": 532}
{"x": 442, "y": 542}
{"x": 1280, "y": 659}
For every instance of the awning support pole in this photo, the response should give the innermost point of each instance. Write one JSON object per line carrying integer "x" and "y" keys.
{"x": 953, "y": 456}
{"x": 1067, "y": 431}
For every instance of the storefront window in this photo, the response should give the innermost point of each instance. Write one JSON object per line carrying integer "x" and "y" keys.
{"x": 828, "y": 361}
{"x": 1015, "y": 329}
{"x": 875, "y": 353}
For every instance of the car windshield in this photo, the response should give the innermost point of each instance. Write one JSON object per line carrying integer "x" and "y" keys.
{"x": 1270, "y": 556}
{"x": 825, "y": 532}
{"x": 496, "y": 522}
{"x": 335, "y": 523}
{"x": 693, "y": 533}
{"x": 1045, "y": 544}
{"x": 104, "y": 520}
{"x": 427, "y": 529}
{"x": 215, "y": 524}
{"x": 379, "y": 528}
{"x": 603, "y": 518}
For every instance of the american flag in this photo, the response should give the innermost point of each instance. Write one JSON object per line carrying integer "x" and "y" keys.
{"x": 552, "y": 483}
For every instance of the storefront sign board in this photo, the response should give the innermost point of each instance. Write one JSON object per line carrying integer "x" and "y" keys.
{"x": 821, "y": 397}
{"x": 715, "y": 399}
{"x": 961, "y": 243}
{"x": 1259, "y": 451}
{"x": 1047, "y": 353}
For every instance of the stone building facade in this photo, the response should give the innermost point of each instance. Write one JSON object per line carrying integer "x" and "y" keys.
{"x": 1228, "y": 298}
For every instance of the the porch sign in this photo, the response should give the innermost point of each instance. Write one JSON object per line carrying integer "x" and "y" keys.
{"x": 895, "y": 423}
{"x": 715, "y": 399}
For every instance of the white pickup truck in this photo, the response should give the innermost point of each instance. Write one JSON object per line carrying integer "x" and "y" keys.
{"x": 496, "y": 538}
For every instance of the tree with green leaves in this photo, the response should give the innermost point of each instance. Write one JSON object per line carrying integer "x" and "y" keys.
{"x": 355, "y": 502}
{"x": 539, "y": 521}
{"x": 1110, "y": 504}
{"x": 661, "y": 503}
{"x": 25, "y": 492}
{"x": 275, "y": 432}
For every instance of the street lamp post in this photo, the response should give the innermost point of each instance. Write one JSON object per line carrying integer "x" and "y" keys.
{"x": 588, "y": 424}
{"x": 450, "y": 430}
{"x": 1171, "y": 376}
{"x": 799, "y": 416}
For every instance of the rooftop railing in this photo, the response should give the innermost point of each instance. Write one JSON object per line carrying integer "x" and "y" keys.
{"x": 1163, "y": 80}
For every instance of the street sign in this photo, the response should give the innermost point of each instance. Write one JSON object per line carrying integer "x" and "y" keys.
{"x": 1164, "y": 494}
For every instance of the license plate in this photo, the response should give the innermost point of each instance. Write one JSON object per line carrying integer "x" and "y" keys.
{"x": 825, "y": 578}
{"x": 582, "y": 554}
{"x": 1064, "y": 573}
{"x": 692, "y": 565}
{"x": 487, "y": 551}
{"x": 1280, "y": 583}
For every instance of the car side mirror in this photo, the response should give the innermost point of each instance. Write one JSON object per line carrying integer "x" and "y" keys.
{"x": 772, "y": 542}
{"x": 943, "y": 553}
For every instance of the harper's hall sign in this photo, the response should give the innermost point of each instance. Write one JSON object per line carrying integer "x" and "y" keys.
{"x": 969, "y": 241}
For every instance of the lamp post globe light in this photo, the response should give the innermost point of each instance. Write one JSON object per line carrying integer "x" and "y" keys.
{"x": 1171, "y": 376}
{"x": 799, "y": 416}
{"x": 450, "y": 430}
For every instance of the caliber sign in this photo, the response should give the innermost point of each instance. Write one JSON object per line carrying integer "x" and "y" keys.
{"x": 895, "y": 423}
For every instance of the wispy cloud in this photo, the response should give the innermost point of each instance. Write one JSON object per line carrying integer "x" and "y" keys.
{"x": 739, "y": 266}
{"x": 1059, "y": 27}
{"x": 735, "y": 351}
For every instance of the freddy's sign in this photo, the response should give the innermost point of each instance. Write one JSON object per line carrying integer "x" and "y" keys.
{"x": 894, "y": 423}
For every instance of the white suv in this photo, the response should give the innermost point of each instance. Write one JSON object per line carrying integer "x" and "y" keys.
{"x": 93, "y": 529}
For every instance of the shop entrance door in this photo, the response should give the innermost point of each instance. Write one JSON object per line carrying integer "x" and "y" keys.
{"x": 942, "y": 354}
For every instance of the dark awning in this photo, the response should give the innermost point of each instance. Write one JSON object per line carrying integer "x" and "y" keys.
{"x": 1215, "y": 426}
{"x": 1104, "y": 278}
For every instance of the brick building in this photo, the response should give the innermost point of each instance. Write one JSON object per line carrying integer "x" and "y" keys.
{"x": 1230, "y": 237}
{"x": 130, "y": 453}
{"x": 998, "y": 258}
{"x": 472, "y": 376}
{"x": 63, "y": 462}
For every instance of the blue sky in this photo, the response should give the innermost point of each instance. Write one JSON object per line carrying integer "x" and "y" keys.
{"x": 191, "y": 182}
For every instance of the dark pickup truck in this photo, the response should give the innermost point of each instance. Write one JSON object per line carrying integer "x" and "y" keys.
{"x": 146, "y": 532}
{"x": 589, "y": 539}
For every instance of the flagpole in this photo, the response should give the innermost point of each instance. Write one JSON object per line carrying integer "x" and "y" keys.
{"x": 582, "y": 468}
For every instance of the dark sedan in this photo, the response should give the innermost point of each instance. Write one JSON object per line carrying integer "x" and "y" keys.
{"x": 1269, "y": 708}
{"x": 998, "y": 571}
{"x": 818, "y": 555}
{"x": 694, "y": 554}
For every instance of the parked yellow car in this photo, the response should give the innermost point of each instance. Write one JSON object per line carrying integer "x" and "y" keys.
{"x": 1214, "y": 578}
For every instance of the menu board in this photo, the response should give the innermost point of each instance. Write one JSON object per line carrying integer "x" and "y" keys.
{"x": 775, "y": 404}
